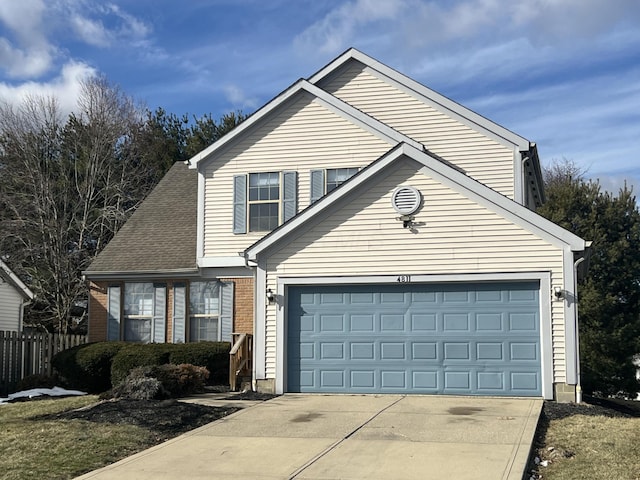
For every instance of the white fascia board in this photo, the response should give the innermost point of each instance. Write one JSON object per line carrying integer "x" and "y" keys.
{"x": 221, "y": 262}
{"x": 436, "y": 100}
{"x": 200, "y": 216}
{"x": 15, "y": 281}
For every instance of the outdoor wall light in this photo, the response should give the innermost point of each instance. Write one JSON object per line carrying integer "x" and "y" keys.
{"x": 558, "y": 293}
{"x": 270, "y": 296}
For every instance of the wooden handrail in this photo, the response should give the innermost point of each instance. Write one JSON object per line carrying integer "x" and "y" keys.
{"x": 238, "y": 344}
{"x": 240, "y": 357}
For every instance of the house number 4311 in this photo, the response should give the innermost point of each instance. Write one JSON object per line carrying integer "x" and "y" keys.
{"x": 403, "y": 279}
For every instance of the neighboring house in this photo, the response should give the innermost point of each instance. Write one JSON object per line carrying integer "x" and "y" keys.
{"x": 13, "y": 296}
{"x": 373, "y": 235}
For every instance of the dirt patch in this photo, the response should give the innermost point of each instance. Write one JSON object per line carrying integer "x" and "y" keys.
{"x": 166, "y": 418}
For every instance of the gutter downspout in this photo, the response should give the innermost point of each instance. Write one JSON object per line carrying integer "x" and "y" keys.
{"x": 575, "y": 329}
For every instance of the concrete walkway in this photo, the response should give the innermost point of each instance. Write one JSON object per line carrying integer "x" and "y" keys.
{"x": 349, "y": 437}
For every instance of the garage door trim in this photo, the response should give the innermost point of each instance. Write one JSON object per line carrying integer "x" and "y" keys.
{"x": 544, "y": 278}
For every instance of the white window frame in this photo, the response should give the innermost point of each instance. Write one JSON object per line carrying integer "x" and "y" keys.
{"x": 277, "y": 202}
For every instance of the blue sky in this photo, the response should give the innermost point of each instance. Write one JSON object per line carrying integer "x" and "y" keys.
{"x": 562, "y": 73}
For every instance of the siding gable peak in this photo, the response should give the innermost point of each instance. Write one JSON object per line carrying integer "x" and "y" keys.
{"x": 331, "y": 102}
{"x": 443, "y": 173}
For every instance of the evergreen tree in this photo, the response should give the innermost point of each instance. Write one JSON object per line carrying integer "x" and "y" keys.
{"x": 609, "y": 297}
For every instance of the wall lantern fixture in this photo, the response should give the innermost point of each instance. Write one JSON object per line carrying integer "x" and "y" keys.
{"x": 270, "y": 296}
{"x": 558, "y": 293}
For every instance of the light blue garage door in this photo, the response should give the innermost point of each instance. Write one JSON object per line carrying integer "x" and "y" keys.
{"x": 466, "y": 339}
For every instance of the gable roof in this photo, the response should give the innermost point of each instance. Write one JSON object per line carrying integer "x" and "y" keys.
{"x": 431, "y": 97}
{"x": 160, "y": 236}
{"x": 331, "y": 102}
{"x": 7, "y": 274}
{"x": 445, "y": 174}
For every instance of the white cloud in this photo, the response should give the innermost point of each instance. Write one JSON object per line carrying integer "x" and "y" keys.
{"x": 340, "y": 26}
{"x": 105, "y": 25}
{"x": 65, "y": 87}
{"x": 24, "y": 50}
{"x": 90, "y": 31}
{"x": 237, "y": 97}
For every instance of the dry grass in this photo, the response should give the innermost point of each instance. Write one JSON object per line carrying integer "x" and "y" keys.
{"x": 61, "y": 449}
{"x": 592, "y": 447}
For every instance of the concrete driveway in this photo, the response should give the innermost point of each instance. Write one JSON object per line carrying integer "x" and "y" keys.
{"x": 349, "y": 437}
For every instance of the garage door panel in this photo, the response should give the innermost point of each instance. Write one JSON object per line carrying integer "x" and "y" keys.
{"x": 457, "y": 339}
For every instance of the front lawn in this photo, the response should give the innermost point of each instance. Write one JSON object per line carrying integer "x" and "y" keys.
{"x": 59, "y": 439}
{"x": 599, "y": 439}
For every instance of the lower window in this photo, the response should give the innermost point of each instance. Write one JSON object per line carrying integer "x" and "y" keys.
{"x": 139, "y": 301}
{"x": 204, "y": 311}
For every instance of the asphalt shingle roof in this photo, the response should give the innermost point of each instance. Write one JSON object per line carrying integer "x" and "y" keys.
{"x": 161, "y": 234}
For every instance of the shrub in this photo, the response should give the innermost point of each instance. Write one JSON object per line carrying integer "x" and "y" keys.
{"x": 161, "y": 381}
{"x": 138, "y": 355}
{"x": 87, "y": 367}
{"x": 140, "y": 385}
{"x": 212, "y": 355}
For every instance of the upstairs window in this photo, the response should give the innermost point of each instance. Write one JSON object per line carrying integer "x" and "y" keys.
{"x": 262, "y": 201}
{"x": 324, "y": 181}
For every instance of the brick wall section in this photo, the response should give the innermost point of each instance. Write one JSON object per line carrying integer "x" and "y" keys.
{"x": 97, "y": 312}
{"x": 242, "y": 304}
{"x": 242, "y": 308}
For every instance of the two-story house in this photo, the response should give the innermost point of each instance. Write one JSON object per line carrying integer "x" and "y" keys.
{"x": 373, "y": 236}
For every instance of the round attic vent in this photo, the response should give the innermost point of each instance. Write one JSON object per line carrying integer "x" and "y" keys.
{"x": 406, "y": 200}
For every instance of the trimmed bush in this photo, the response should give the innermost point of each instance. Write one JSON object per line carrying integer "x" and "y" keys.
{"x": 87, "y": 367}
{"x": 212, "y": 355}
{"x": 138, "y": 355}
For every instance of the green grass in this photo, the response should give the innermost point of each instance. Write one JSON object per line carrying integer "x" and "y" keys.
{"x": 61, "y": 449}
{"x": 592, "y": 447}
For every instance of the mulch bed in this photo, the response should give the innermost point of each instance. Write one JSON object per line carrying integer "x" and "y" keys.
{"x": 166, "y": 418}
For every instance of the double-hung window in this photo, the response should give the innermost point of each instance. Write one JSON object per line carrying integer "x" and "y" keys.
{"x": 144, "y": 312}
{"x": 264, "y": 200}
{"x": 204, "y": 311}
{"x": 324, "y": 181}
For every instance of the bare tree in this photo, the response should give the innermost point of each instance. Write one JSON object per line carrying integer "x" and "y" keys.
{"x": 65, "y": 189}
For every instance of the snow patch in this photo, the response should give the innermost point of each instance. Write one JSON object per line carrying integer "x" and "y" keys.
{"x": 40, "y": 392}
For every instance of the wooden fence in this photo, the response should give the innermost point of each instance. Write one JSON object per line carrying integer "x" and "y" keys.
{"x": 24, "y": 354}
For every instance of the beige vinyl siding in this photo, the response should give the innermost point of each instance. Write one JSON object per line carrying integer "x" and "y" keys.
{"x": 303, "y": 136}
{"x": 453, "y": 235}
{"x": 480, "y": 157}
{"x": 10, "y": 307}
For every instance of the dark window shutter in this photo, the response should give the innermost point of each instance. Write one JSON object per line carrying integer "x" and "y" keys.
{"x": 289, "y": 195}
{"x": 159, "y": 313}
{"x": 113, "y": 315}
{"x": 179, "y": 312}
{"x": 226, "y": 311}
{"x": 317, "y": 185}
{"x": 240, "y": 204}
